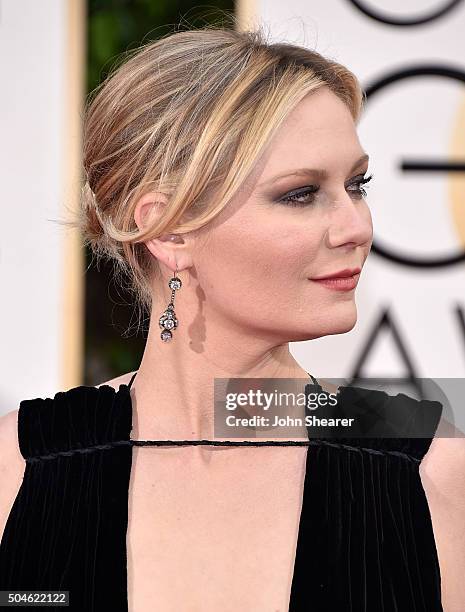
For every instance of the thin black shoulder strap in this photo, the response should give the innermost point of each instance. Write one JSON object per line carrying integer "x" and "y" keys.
{"x": 132, "y": 379}
{"x": 314, "y": 379}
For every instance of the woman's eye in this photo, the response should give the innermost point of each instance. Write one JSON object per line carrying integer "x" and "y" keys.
{"x": 305, "y": 196}
{"x": 360, "y": 191}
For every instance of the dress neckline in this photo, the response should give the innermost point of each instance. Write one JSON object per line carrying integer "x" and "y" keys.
{"x": 116, "y": 407}
{"x": 206, "y": 442}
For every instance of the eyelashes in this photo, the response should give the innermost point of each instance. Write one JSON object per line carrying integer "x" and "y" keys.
{"x": 310, "y": 190}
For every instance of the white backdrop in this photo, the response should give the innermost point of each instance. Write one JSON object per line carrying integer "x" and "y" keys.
{"x": 410, "y": 315}
{"x": 37, "y": 139}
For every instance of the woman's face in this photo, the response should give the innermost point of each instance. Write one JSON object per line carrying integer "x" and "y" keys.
{"x": 260, "y": 254}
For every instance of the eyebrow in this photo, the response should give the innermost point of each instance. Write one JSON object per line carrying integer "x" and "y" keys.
{"x": 320, "y": 174}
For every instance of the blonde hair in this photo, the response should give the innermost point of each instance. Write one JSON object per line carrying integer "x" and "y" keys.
{"x": 188, "y": 115}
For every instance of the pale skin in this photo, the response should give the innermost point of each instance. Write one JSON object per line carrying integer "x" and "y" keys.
{"x": 194, "y": 510}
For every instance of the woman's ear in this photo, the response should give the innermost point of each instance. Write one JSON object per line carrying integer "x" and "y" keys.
{"x": 149, "y": 207}
{"x": 172, "y": 237}
{"x": 170, "y": 249}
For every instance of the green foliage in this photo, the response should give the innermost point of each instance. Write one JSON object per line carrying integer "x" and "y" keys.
{"x": 117, "y": 26}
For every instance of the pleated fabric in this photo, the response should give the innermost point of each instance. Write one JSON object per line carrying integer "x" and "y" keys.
{"x": 365, "y": 541}
{"x": 67, "y": 527}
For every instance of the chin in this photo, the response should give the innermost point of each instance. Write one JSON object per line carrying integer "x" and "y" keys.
{"x": 325, "y": 325}
{"x": 343, "y": 326}
{"x": 339, "y": 324}
{"x": 332, "y": 328}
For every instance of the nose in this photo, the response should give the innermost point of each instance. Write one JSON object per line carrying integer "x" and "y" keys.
{"x": 350, "y": 222}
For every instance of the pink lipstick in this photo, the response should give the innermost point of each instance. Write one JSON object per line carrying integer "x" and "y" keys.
{"x": 344, "y": 280}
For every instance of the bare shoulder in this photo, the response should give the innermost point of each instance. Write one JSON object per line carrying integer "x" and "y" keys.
{"x": 119, "y": 380}
{"x": 12, "y": 464}
{"x": 10, "y": 455}
{"x": 442, "y": 472}
{"x": 443, "y": 466}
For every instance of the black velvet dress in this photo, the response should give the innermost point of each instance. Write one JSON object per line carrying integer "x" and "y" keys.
{"x": 365, "y": 540}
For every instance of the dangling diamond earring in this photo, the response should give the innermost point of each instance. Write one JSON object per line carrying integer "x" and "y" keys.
{"x": 168, "y": 320}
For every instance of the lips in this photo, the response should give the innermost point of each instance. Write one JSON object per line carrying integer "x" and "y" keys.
{"x": 341, "y": 283}
{"x": 340, "y": 274}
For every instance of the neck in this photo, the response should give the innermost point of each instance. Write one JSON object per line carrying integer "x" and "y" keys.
{"x": 174, "y": 387}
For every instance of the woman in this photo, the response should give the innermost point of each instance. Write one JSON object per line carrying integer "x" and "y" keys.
{"x": 234, "y": 165}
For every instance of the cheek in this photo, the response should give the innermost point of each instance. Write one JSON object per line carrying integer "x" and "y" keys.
{"x": 367, "y": 213}
{"x": 370, "y": 222}
{"x": 256, "y": 261}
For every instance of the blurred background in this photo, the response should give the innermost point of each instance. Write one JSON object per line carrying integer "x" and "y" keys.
{"x": 65, "y": 322}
